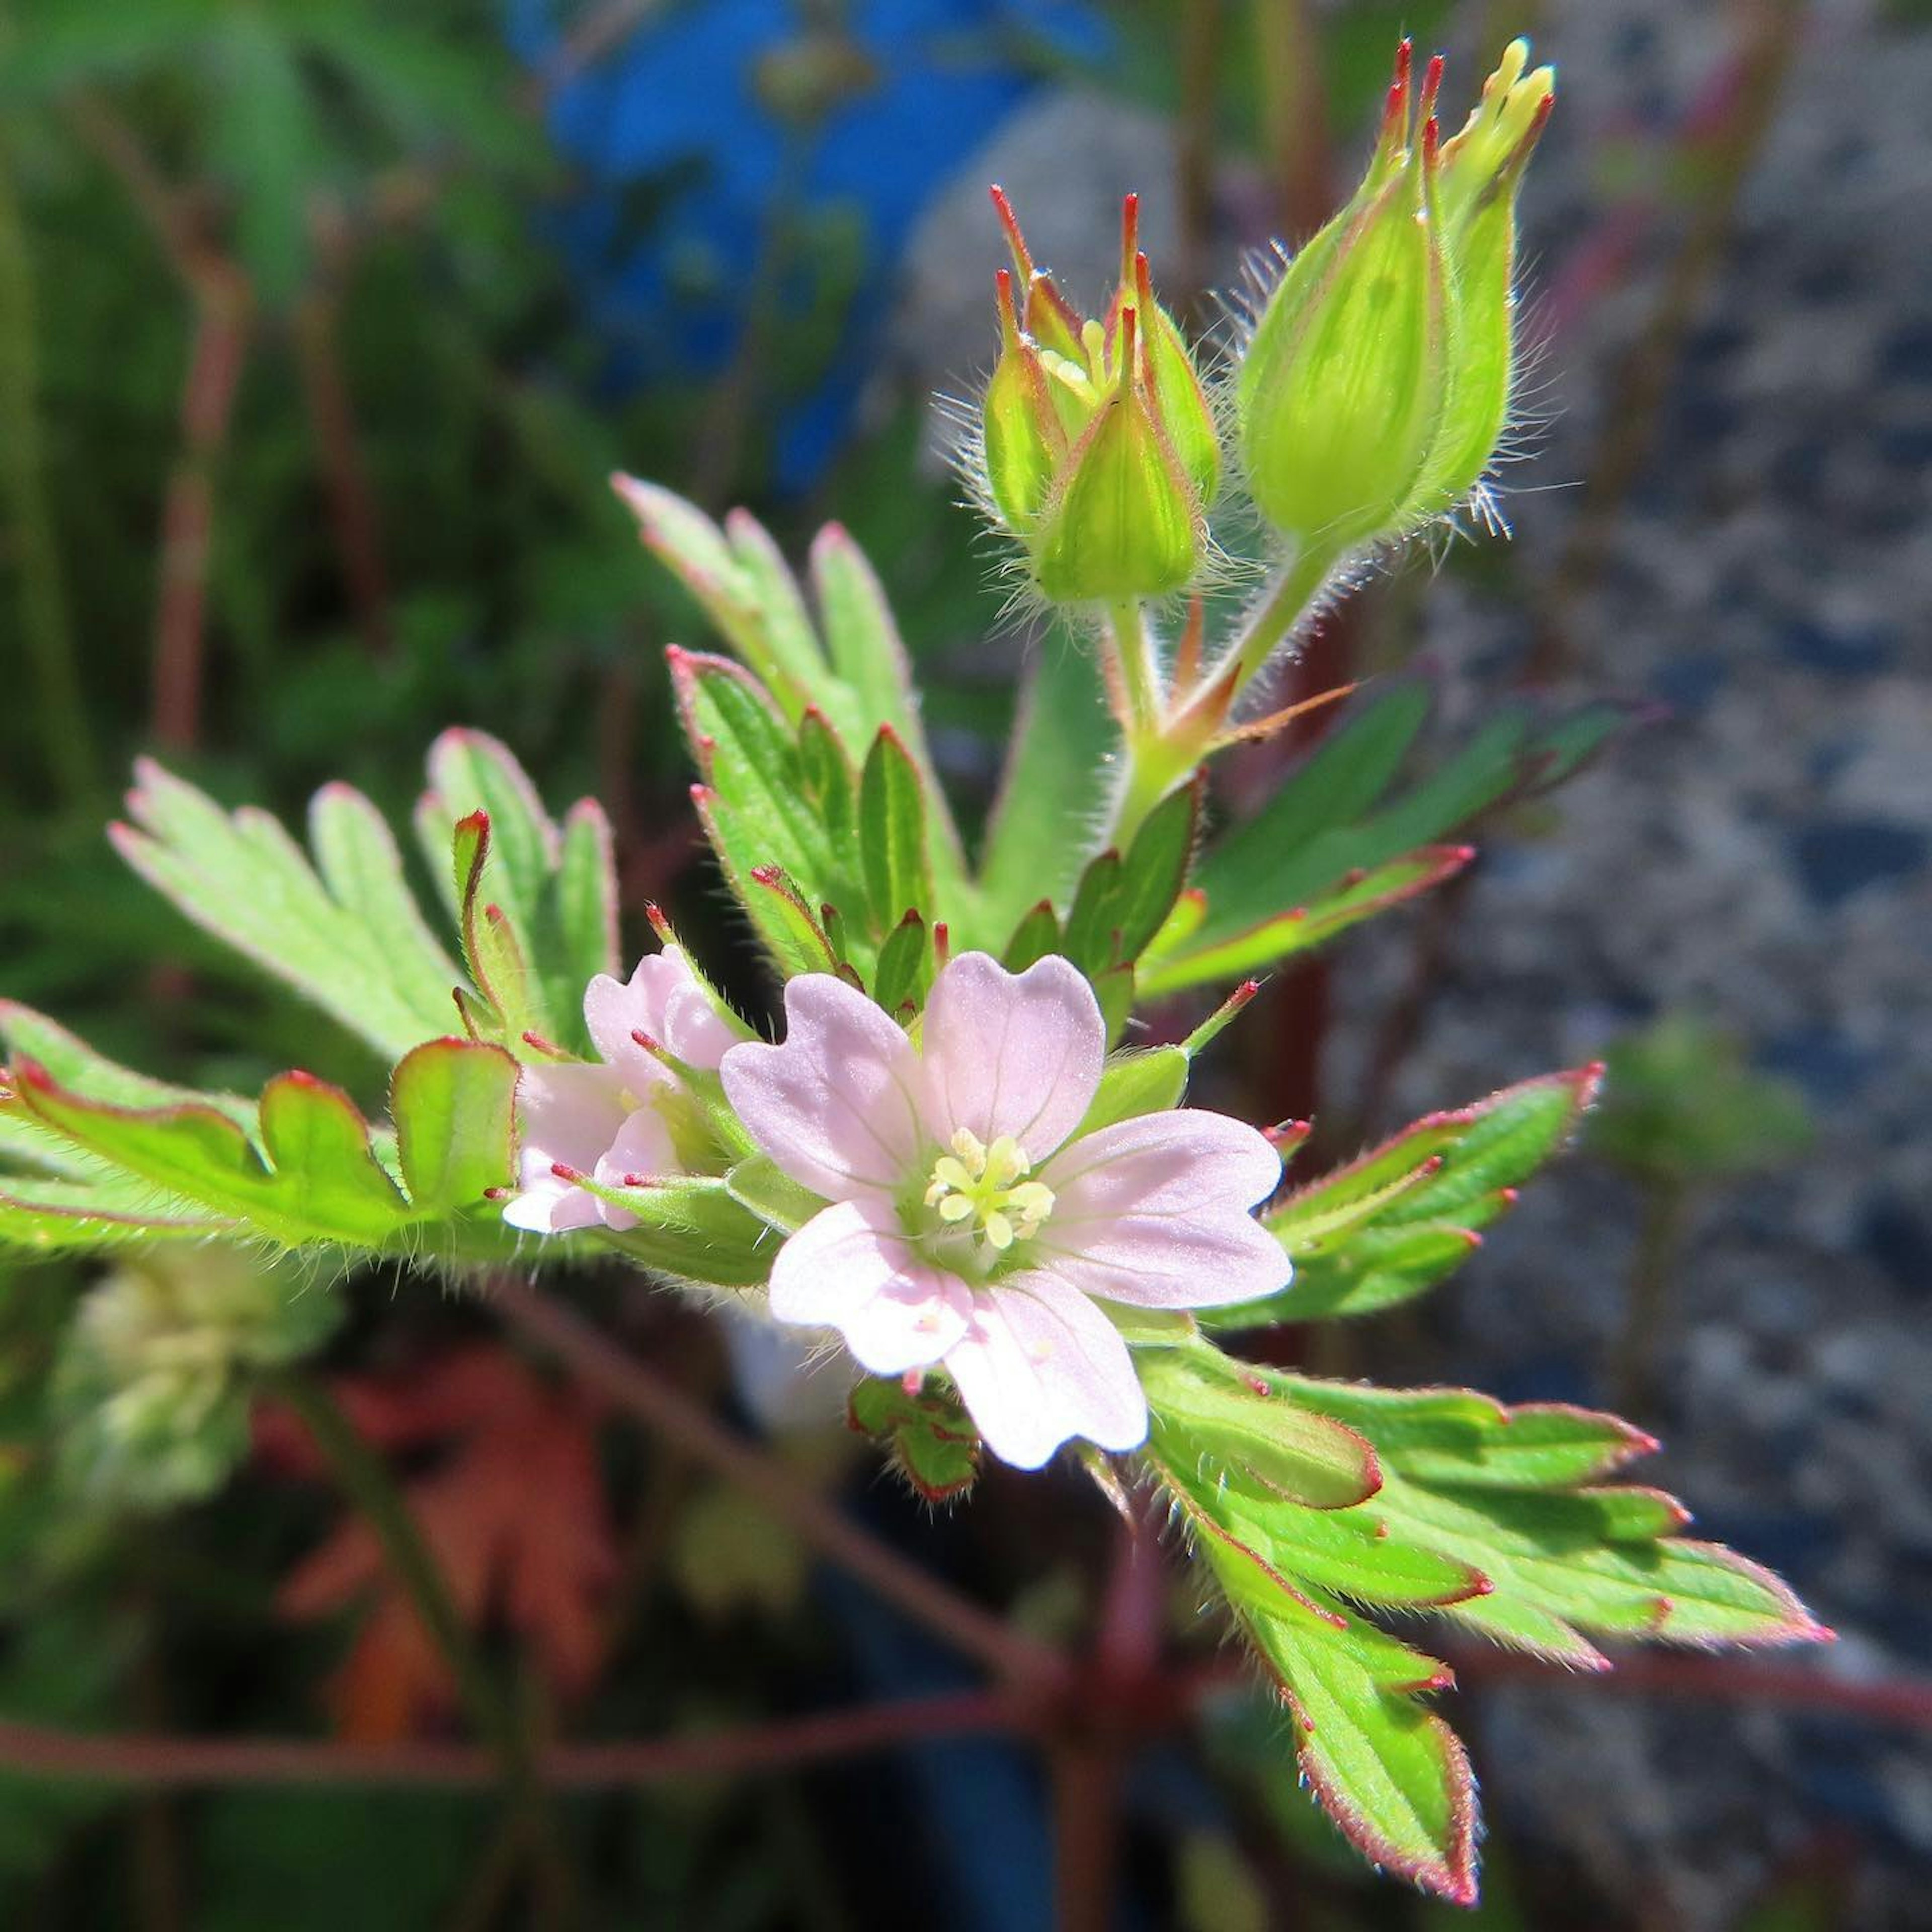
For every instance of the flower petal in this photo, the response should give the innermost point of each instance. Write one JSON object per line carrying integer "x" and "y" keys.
{"x": 643, "y": 1147}
{"x": 1040, "y": 1364}
{"x": 1154, "y": 1211}
{"x": 1012, "y": 1053}
{"x": 662, "y": 997}
{"x": 834, "y": 1106}
{"x": 568, "y": 1115}
{"x": 849, "y": 1268}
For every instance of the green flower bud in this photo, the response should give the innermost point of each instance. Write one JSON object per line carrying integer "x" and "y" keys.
{"x": 1481, "y": 169}
{"x": 1098, "y": 446}
{"x": 1375, "y": 390}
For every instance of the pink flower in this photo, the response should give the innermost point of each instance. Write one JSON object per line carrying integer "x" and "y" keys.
{"x": 971, "y": 1224}
{"x": 599, "y": 1117}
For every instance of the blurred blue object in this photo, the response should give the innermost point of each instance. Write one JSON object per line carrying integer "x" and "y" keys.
{"x": 716, "y": 127}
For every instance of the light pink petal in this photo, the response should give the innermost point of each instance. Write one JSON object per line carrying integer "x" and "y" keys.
{"x": 1012, "y": 1053}
{"x": 1154, "y": 1211}
{"x": 850, "y": 1268}
{"x": 569, "y": 1114}
{"x": 1040, "y": 1364}
{"x": 545, "y": 1205}
{"x": 662, "y": 998}
{"x": 834, "y": 1106}
{"x": 642, "y": 1150}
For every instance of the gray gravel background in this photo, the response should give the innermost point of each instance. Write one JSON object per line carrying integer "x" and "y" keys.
{"x": 1763, "y": 857}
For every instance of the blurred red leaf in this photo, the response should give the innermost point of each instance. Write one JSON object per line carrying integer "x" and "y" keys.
{"x": 513, "y": 1508}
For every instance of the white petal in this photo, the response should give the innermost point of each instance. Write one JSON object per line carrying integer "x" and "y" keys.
{"x": 643, "y": 1148}
{"x": 1012, "y": 1053}
{"x": 1154, "y": 1211}
{"x": 1040, "y": 1364}
{"x": 663, "y": 999}
{"x": 850, "y": 1268}
{"x": 567, "y": 1115}
{"x": 549, "y": 1206}
{"x": 834, "y": 1106}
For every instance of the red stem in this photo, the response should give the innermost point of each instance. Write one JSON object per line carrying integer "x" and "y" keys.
{"x": 1903, "y": 1701}
{"x": 345, "y": 475}
{"x": 177, "y": 1762}
{"x": 188, "y": 518}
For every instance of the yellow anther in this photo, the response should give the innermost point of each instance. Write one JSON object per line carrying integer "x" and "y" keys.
{"x": 983, "y": 1190}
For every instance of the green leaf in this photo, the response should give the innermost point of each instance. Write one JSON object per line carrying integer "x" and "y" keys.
{"x": 1091, "y": 940}
{"x": 1037, "y": 935}
{"x": 863, "y": 641}
{"x": 902, "y": 975}
{"x": 772, "y": 1194}
{"x": 779, "y": 910}
{"x": 451, "y": 1100}
{"x": 757, "y": 808}
{"x": 316, "y": 1177}
{"x": 535, "y": 985}
{"x": 1516, "y": 1491}
{"x": 1143, "y": 1080}
{"x": 491, "y": 949}
{"x": 787, "y": 622}
{"x": 1211, "y": 1416}
{"x": 933, "y": 1443}
{"x": 891, "y": 834}
{"x": 1257, "y": 864}
{"x": 1122, "y": 903}
{"x": 1215, "y": 954}
{"x": 470, "y": 772}
{"x": 1456, "y": 1435}
{"x": 242, "y": 878}
{"x": 1053, "y": 791}
{"x": 826, "y": 771}
{"x": 869, "y": 658}
{"x": 356, "y": 855}
{"x": 32, "y": 1035}
{"x": 587, "y": 894}
{"x": 696, "y": 552}
{"x": 1564, "y": 1559}
{"x": 691, "y": 1228}
{"x": 1156, "y": 869}
{"x": 1325, "y": 852}
{"x": 49, "y": 1213}
{"x": 1400, "y": 1218}
{"x": 1390, "y": 1773}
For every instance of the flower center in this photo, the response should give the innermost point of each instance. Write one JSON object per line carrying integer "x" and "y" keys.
{"x": 984, "y": 1192}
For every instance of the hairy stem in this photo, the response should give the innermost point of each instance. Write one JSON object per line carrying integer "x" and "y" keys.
{"x": 1290, "y": 598}
{"x": 1647, "y": 1298}
{"x": 1133, "y": 652}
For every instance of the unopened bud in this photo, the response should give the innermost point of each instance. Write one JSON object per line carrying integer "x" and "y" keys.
{"x": 1374, "y": 391}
